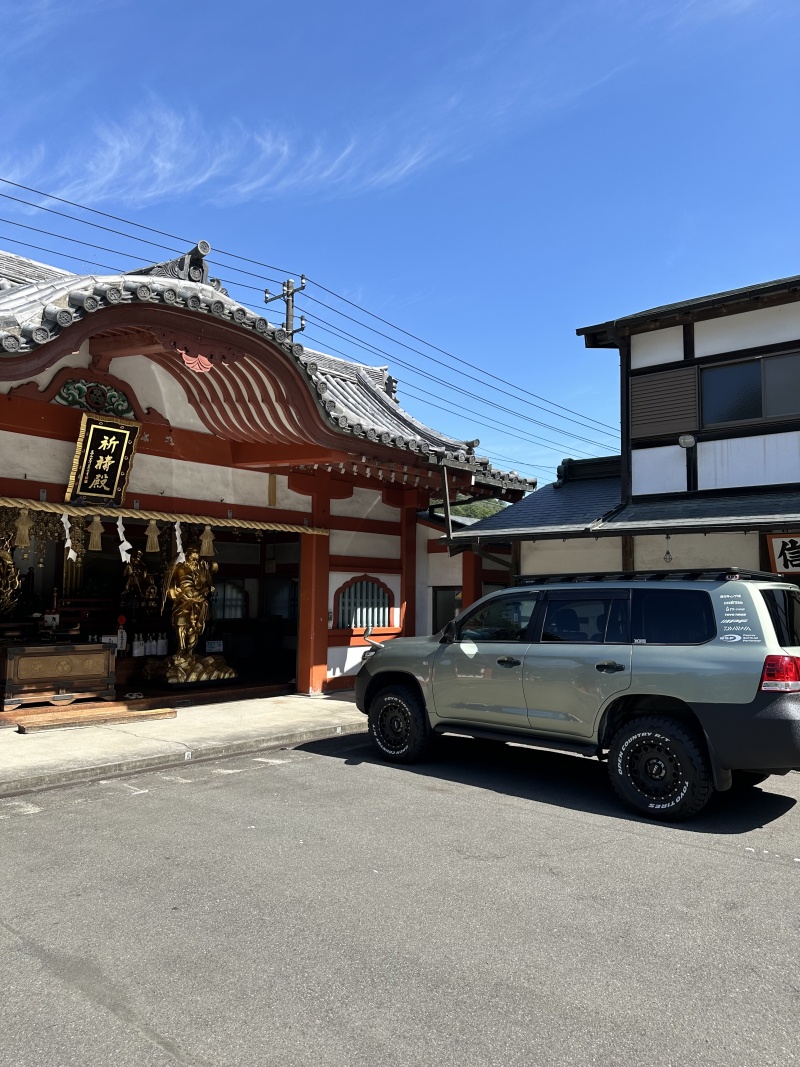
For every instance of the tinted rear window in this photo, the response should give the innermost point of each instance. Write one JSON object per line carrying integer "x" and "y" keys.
{"x": 784, "y": 610}
{"x": 672, "y": 617}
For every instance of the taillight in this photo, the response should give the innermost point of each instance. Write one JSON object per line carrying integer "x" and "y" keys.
{"x": 781, "y": 673}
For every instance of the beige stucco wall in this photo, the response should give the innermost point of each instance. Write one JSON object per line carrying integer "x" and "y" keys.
{"x": 697, "y": 550}
{"x": 572, "y": 556}
{"x": 605, "y": 554}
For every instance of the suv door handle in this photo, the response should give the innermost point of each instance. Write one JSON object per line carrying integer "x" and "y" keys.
{"x": 508, "y": 661}
{"x": 609, "y": 667}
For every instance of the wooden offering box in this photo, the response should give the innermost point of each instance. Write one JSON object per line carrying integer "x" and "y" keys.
{"x": 57, "y": 674}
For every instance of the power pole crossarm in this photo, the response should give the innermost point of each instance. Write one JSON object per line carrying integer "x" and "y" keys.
{"x": 287, "y": 296}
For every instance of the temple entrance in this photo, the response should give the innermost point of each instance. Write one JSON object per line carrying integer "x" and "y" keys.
{"x": 254, "y": 608}
{"x": 252, "y": 617}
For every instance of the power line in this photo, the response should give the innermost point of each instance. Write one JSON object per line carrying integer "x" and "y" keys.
{"x": 423, "y": 396}
{"x": 537, "y": 422}
{"x": 490, "y": 423}
{"x": 77, "y": 240}
{"x": 510, "y": 459}
{"x": 602, "y": 426}
{"x": 53, "y": 252}
{"x": 113, "y": 251}
{"x": 483, "y": 420}
{"x": 433, "y": 359}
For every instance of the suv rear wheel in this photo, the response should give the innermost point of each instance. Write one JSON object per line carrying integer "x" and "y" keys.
{"x": 398, "y": 724}
{"x": 660, "y": 768}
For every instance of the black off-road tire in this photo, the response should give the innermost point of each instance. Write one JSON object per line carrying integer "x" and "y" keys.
{"x": 398, "y": 724}
{"x": 744, "y": 780}
{"x": 660, "y": 768}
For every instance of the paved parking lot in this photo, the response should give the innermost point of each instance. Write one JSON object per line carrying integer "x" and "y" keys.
{"x": 495, "y": 906}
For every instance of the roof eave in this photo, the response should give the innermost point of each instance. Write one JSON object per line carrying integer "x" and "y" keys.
{"x": 608, "y": 334}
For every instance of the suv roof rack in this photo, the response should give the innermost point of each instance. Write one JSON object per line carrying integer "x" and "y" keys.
{"x": 714, "y": 574}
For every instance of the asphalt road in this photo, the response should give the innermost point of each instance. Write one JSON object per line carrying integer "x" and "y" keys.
{"x": 315, "y": 907}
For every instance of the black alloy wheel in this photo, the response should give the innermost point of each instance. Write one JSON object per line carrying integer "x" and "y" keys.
{"x": 659, "y": 767}
{"x": 398, "y": 724}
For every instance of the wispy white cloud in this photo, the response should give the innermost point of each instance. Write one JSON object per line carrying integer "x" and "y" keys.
{"x": 690, "y": 14}
{"x": 29, "y": 24}
{"x": 695, "y": 11}
{"x": 513, "y": 77}
{"x": 160, "y": 153}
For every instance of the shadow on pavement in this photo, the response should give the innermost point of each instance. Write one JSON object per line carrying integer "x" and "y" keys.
{"x": 565, "y": 781}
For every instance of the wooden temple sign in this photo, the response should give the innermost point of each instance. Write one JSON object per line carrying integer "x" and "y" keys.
{"x": 103, "y": 457}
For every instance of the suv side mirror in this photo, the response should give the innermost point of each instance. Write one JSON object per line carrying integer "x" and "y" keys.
{"x": 448, "y": 633}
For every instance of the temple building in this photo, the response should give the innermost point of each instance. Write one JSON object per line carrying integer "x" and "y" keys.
{"x": 146, "y": 414}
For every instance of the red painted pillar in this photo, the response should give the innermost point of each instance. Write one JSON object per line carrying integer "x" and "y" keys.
{"x": 471, "y": 579}
{"x": 312, "y": 627}
{"x": 408, "y": 557}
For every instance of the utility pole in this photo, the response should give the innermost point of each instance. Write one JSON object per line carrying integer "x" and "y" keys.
{"x": 287, "y": 296}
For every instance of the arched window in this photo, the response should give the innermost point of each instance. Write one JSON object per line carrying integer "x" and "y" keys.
{"x": 363, "y": 602}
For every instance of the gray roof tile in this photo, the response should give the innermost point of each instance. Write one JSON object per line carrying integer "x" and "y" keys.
{"x": 352, "y": 397}
{"x": 725, "y": 511}
{"x": 550, "y": 512}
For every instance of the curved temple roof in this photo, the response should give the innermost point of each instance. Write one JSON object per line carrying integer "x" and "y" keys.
{"x": 40, "y": 303}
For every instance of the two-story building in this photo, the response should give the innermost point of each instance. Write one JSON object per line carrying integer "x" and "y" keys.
{"x": 709, "y": 472}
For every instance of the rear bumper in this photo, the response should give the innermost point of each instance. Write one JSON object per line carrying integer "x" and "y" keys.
{"x": 762, "y": 736}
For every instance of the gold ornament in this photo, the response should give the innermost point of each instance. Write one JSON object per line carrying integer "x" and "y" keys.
{"x": 152, "y": 537}
{"x": 9, "y": 580}
{"x": 96, "y": 535}
{"x": 22, "y": 531}
{"x": 207, "y": 542}
{"x": 139, "y": 582}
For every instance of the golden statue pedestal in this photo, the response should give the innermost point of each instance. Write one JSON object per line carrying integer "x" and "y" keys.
{"x": 186, "y": 667}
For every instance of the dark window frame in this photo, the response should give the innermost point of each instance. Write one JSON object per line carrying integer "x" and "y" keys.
{"x": 762, "y": 361}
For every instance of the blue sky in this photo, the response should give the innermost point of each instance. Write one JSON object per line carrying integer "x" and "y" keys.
{"x": 487, "y": 176}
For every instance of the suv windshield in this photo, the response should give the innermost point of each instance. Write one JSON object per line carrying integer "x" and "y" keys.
{"x": 784, "y": 610}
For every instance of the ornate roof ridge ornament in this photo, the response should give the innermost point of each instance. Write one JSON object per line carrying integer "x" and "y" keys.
{"x": 190, "y": 267}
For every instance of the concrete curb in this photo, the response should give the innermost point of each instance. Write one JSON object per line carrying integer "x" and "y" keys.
{"x": 202, "y": 751}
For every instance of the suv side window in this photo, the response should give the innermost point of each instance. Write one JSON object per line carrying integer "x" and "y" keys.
{"x": 504, "y": 619}
{"x": 784, "y": 610}
{"x": 672, "y": 617}
{"x": 593, "y": 619}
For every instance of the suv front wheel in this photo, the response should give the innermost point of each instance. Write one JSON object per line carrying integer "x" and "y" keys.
{"x": 659, "y": 767}
{"x": 398, "y": 724}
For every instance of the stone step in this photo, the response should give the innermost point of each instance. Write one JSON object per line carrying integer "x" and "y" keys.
{"x": 50, "y": 719}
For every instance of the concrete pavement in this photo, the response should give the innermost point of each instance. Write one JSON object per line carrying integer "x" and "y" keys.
{"x": 88, "y": 753}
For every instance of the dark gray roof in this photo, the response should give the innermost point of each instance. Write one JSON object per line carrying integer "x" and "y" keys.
{"x": 728, "y": 511}
{"x": 37, "y": 302}
{"x": 600, "y": 335}
{"x": 593, "y": 508}
{"x": 552, "y": 511}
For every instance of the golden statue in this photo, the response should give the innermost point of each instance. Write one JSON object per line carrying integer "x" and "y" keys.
{"x": 139, "y": 582}
{"x": 9, "y": 581}
{"x": 189, "y": 586}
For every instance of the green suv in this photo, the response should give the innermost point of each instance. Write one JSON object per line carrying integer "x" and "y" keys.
{"x": 685, "y": 681}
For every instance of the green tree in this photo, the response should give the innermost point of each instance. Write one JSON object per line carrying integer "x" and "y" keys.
{"x": 479, "y": 509}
